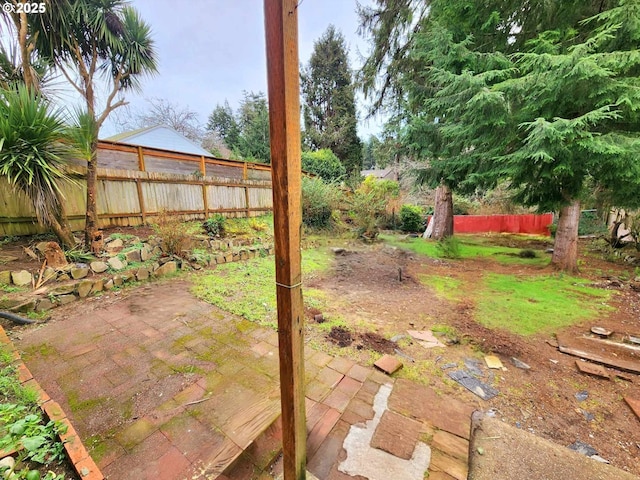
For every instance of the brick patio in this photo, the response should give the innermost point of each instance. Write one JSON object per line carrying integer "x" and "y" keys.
{"x": 160, "y": 385}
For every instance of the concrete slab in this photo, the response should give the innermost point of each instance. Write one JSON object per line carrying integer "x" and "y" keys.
{"x": 375, "y": 464}
{"x": 501, "y": 452}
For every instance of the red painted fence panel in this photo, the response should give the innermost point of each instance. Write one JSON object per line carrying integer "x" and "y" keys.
{"x": 530, "y": 223}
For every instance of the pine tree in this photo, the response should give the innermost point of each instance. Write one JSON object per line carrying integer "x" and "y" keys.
{"x": 329, "y": 113}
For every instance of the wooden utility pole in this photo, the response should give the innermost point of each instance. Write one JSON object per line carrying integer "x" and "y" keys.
{"x": 281, "y": 22}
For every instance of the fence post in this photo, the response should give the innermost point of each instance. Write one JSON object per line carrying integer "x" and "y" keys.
{"x": 203, "y": 168}
{"x": 141, "y": 201}
{"x": 141, "y": 165}
{"x": 205, "y": 200}
{"x": 246, "y": 199}
{"x": 244, "y": 171}
{"x": 283, "y": 75}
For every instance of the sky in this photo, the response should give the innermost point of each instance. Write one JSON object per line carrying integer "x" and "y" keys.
{"x": 210, "y": 51}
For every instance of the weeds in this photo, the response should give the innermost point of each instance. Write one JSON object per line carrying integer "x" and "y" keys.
{"x": 173, "y": 233}
{"x": 214, "y": 225}
{"x": 448, "y": 247}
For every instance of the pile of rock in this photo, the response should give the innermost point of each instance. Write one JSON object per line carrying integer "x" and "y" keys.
{"x": 123, "y": 261}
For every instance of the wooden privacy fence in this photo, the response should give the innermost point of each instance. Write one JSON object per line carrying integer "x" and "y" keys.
{"x": 130, "y": 198}
{"x": 145, "y": 159}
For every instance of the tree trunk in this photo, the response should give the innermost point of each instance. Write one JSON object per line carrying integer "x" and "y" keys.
{"x": 565, "y": 247}
{"x": 27, "y": 72}
{"x": 91, "y": 219}
{"x": 443, "y": 214}
{"x": 63, "y": 231}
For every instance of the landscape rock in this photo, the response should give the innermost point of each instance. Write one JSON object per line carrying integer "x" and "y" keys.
{"x": 167, "y": 268}
{"x": 5, "y": 277}
{"x": 98, "y": 285}
{"x": 583, "y": 448}
{"x": 473, "y": 366}
{"x": 338, "y": 251}
{"x": 114, "y": 244}
{"x": 80, "y": 270}
{"x": 63, "y": 289}
{"x": 49, "y": 273}
{"x": 493, "y": 362}
{"x": 133, "y": 256}
{"x": 84, "y": 288}
{"x": 116, "y": 263}
{"x": 99, "y": 267}
{"x": 44, "y": 304}
{"x": 118, "y": 280}
{"x": 27, "y": 306}
{"x": 142, "y": 273}
{"x": 8, "y": 462}
{"x": 582, "y": 395}
{"x": 108, "y": 285}
{"x": 146, "y": 252}
{"x": 64, "y": 299}
{"x": 519, "y": 364}
{"x": 475, "y": 386}
{"x": 21, "y": 278}
{"x": 41, "y": 247}
{"x": 64, "y": 277}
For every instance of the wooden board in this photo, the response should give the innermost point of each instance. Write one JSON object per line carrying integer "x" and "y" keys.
{"x": 634, "y": 404}
{"x": 592, "y": 369}
{"x": 573, "y": 346}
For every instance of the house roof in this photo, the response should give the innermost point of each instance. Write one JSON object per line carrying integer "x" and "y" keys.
{"x": 382, "y": 174}
{"x": 161, "y": 137}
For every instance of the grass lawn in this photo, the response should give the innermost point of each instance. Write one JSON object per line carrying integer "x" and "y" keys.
{"x": 470, "y": 246}
{"x": 248, "y": 289}
{"x": 544, "y": 303}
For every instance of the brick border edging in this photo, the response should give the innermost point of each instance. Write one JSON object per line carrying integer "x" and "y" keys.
{"x": 77, "y": 454}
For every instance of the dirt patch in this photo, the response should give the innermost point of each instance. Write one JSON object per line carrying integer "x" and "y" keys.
{"x": 365, "y": 291}
{"x": 340, "y": 336}
{"x": 377, "y": 343}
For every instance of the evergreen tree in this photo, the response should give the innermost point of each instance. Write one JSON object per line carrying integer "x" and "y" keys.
{"x": 552, "y": 119}
{"x": 329, "y": 108}
{"x": 245, "y": 132}
{"x": 222, "y": 122}
{"x": 530, "y": 92}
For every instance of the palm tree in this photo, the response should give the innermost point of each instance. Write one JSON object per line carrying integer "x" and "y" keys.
{"x": 88, "y": 40}
{"x": 34, "y": 144}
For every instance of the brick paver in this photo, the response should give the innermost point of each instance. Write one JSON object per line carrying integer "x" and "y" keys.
{"x": 160, "y": 385}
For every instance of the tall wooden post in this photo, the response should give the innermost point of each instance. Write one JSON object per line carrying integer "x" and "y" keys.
{"x": 281, "y": 21}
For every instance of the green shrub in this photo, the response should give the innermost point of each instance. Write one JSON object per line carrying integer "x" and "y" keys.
{"x": 591, "y": 223}
{"x": 369, "y": 205}
{"x": 214, "y": 225}
{"x": 319, "y": 199}
{"x": 323, "y": 163}
{"x": 448, "y": 247}
{"x": 411, "y": 218}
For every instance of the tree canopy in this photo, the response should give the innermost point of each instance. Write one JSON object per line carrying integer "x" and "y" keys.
{"x": 323, "y": 163}
{"x": 542, "y": 94}
{"x": 328, "y": 98}
{"x": 246, "y": 131}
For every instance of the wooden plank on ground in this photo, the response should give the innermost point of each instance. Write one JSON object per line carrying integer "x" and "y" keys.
{"x": 592, "y": 369}
{"x": 565, "y": 345}
{"x": 634, "y": 404}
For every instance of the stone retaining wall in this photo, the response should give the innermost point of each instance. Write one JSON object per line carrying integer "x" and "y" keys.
{"x": 119, "y": 266}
